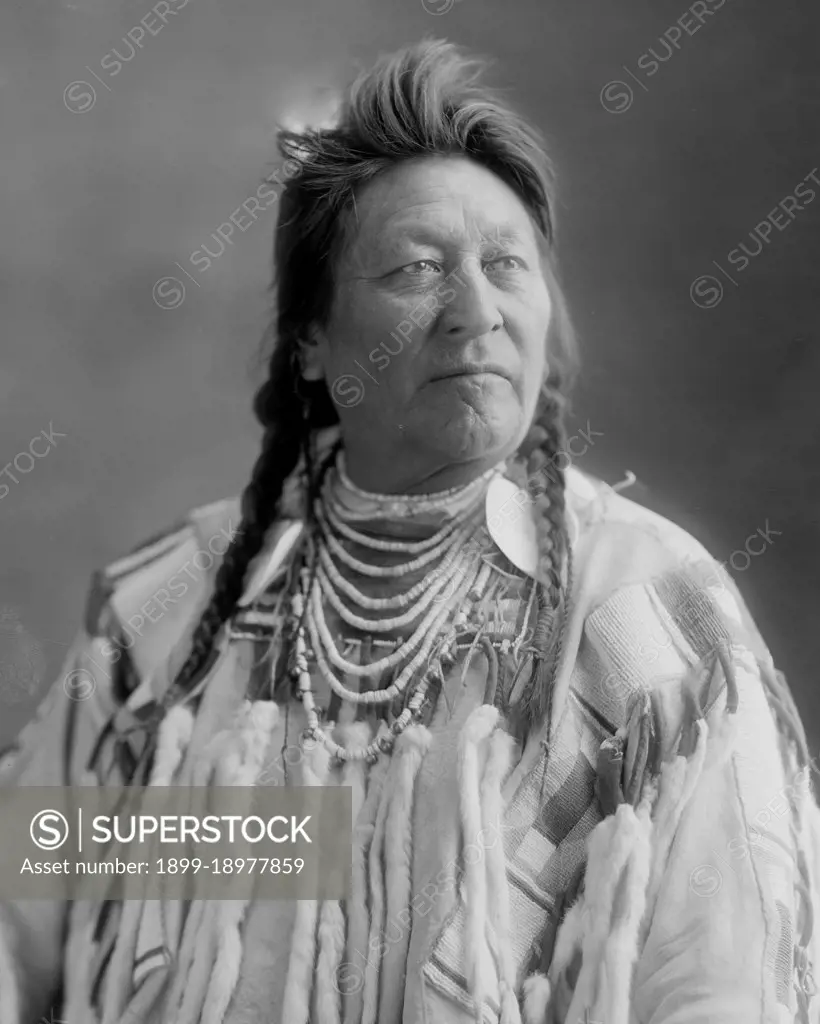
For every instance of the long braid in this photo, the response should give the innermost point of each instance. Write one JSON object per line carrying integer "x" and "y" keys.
{"x": 280, "y": 409}
{"x": 547, "y": 487}
{"x": 545, "y": 481}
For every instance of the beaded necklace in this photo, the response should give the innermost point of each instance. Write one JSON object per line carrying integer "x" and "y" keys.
{"x": 453, "y": 568}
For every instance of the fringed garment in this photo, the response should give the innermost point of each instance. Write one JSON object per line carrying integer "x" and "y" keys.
{"x": 649, "y": 854}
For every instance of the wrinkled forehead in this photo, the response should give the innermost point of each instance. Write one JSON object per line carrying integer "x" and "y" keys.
{"x": 448, "y": 202}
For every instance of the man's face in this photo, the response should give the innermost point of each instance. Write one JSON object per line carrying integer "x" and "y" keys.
{"x": 435, "y": 349}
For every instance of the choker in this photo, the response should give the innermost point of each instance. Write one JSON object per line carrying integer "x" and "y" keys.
{"x": 359, "y": 504}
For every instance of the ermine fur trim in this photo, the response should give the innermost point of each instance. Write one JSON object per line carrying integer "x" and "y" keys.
{"x": 536, "y": 990}
{"x": 298, "y": 986}
{"x": 411, "y": 747}
{"x": 372, "y": 969}
{"x": 621, "y": 947}
{"x": 358, "y": 906}
{"x": 499, "y": 762}
{"x": 477, "y": 960}
{"x": 257, "y": 722}
{"x": 331, "y": 935}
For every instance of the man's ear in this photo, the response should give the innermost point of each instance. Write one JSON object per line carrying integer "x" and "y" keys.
{"x": 310, "y": 354}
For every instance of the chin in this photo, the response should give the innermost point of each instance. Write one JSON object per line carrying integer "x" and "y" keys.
{"x": 466, "y": 431}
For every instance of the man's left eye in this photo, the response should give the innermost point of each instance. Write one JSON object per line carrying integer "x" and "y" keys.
{"x": 513, "y": 263}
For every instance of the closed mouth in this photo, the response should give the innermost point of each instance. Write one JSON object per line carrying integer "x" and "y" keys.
{"x": 473, "y": 371}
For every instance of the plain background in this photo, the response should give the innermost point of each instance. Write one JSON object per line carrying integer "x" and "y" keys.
{"x": 714, "y": 409}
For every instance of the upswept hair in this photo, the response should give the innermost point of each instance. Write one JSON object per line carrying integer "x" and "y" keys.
{"x": 426, "y": 99}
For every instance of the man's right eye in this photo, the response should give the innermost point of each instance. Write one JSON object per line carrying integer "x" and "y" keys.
{"x": 419, "y": 267}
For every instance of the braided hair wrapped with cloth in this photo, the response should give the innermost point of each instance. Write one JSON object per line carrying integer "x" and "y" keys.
{"x": 562, "y": 732}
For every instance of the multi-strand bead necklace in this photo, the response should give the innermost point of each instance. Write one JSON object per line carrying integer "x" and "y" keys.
{"x": 453, "y": 584}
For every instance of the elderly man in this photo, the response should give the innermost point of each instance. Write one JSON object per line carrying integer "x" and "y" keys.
{"x": 561, "y": 730}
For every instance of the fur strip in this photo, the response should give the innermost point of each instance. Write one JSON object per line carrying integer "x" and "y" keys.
{"x": 298, "y": 986}
{"x": 118, "y": 975}
{"x": 358, "y": 907}
{"x": 375, "y": 861}
{"x": 213, "y": 976}
{"x": 173, "y": 737}
{"x": 499, "y": 762}
{"x": 621, "y": 951}
{"x": 179, "y": 978}
{"x": 617, "y": 871}
{"x": 169, "y": 756}
{"x": 331, "y": 935}
{"x": 536, "y": 991}
{"x": 193, "y": 997}
{"x": 477, "y": 960}
{"x": 257, "y": 723}
{"x": 608, "y": 851}
{"x": 331, "y": 940}
{"x": 331, "y": 931}
{"x": 227, "y": 960}
{"x": 568, "y": 940}
{"x": 219, "y": 751}
{"x": 411, "y": 747}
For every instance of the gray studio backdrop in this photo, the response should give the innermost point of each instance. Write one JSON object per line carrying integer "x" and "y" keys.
{"x": 132, "y": 131}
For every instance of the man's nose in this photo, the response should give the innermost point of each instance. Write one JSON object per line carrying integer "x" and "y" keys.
{"x": 473, "y": 311}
